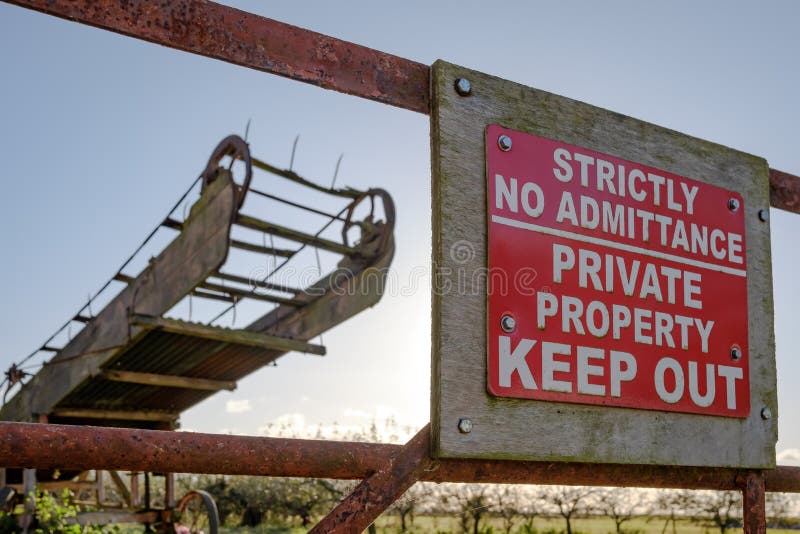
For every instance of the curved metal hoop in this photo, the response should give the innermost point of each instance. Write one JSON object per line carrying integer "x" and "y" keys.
{"x": 204, "y": 499}
{"x": 237, "y": 148}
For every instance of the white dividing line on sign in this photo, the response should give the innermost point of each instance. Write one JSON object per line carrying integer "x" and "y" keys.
{"x": 619, "y": 246}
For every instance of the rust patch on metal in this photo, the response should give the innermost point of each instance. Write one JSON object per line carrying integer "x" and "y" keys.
{"x": 376, "y": 493}
{"x": 784, "y": 191}
{"x": 46, "y": 446}
{"x": 753, "y": 486}
{"x": 86, "y": 447}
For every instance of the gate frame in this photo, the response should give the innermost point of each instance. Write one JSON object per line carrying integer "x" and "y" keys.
{"x": 228, "y": 34}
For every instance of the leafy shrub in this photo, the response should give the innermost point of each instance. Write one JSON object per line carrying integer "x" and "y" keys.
{"x": 53, "y": 515}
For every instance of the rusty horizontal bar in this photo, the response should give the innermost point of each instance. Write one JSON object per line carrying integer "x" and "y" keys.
{"x": 256, "y": 42}
{"x": 784, "y": 191}
{"x": 45, "y": 446}
{"x": 783, "y": 478}
{"x": 71, "y": 447}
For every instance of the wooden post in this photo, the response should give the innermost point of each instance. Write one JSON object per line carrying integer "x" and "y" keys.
{"x": 136, "y": 500}
{"x": 169, "y": 491}
{"x": 123, "y": 491}
{"x": 147, "y": 502}
{"x": 29, "y": 491}
{"x": 100, "y": 487}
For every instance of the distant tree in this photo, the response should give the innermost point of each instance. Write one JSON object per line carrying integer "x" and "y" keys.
{"x": 406, "y": 506}
{"x": 780, "y": 507}
{"x": 506, "y": 505}
{"x": 531, "y": 504}
{"x": 670, "y": 504}
{"x": 470, "y": 502}
{"x": 721, "y": 509}
{"x": 621, "y": 505}
{"x": 570, "y": 501}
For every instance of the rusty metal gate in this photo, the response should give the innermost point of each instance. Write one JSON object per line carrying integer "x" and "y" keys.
{"x": 224, "y": 33}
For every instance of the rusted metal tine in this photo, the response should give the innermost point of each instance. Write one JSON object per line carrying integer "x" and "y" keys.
{"x": 753, "y": 486}
{"x": 376, "y": 493}
{"x": 294, "y": 235}
{"x": 294, "y": 177}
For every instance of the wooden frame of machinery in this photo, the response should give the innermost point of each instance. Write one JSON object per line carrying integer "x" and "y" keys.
{"x": 235, "y": 36}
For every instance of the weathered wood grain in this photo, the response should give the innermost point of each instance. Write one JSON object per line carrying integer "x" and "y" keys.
{"x": 535, "y": 430}
{"x": 117, "y": 415}
{"x": 168, "y": 381}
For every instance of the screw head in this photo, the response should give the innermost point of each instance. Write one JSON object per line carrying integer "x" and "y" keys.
{"x": 508, "y": 323}
{"x": 463, "y": 87}
{"x": 736, "y": 353}
{"x": 766, "y": 413}
{"x": 763, "y": 215}
{"x": 504, "y": 142}
{"x": 465, "y": 425}
{"x": 733, "y": 204}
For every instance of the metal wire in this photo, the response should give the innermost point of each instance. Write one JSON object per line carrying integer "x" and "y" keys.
{"x": 299, "y": 206}
{"x": 333, "y": 218}
{"x": 108, "y": 283}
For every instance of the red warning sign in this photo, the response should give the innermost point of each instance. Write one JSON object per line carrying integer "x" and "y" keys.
{"x": 611, "y": 282}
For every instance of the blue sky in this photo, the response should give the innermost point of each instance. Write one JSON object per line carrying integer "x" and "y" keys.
{"x": 101, "y": 134}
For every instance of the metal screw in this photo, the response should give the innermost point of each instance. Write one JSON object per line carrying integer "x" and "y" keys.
{"x": 504, "y": 142}
{"x": 733, "y": 204}
{"x": 463, "y": 87}
{"x": 766, "y": 413}
{"x": 736, "y": 353}
{"x": 763, "y": 215}
{"x": 465, "y": 425}
{"x": 507, "y": 323}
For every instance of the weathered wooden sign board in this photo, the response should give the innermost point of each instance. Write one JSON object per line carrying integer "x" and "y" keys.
{"x": 603, "y": 285}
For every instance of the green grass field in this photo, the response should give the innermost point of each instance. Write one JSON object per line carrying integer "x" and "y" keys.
{"x": 441, "y": 525}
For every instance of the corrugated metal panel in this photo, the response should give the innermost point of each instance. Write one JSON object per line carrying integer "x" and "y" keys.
{"x": 168, "y": 354}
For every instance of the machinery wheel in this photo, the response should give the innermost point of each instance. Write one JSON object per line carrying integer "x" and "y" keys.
{"x": 198, "y": 514}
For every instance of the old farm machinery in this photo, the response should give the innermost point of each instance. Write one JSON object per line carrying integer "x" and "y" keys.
{"x": 140, "y": 361}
